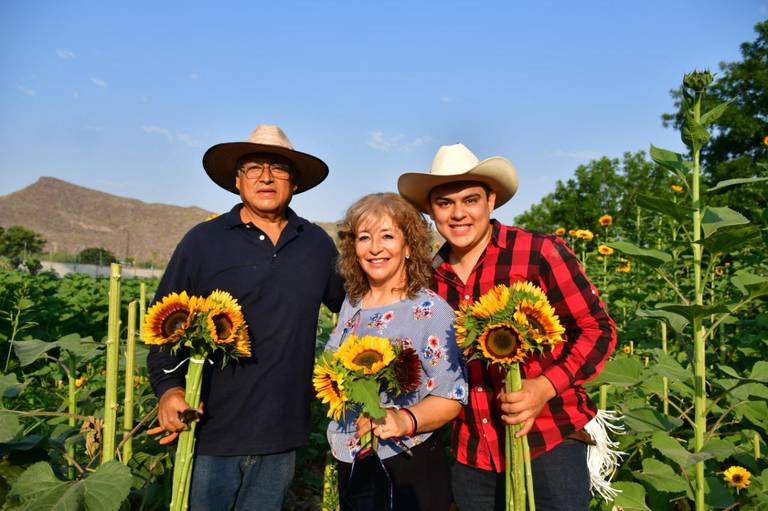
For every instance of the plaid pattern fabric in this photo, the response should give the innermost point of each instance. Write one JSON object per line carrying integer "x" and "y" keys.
{"x": 512, "y": 255}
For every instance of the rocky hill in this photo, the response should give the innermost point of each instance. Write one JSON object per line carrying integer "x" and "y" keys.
{"x": 72, "y": 218}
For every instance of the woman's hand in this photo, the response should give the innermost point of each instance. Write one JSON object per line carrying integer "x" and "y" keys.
{"x": 395, "y": 424}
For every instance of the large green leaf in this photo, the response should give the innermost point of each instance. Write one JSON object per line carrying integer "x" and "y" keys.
{"x": 366, "y": 392}
{"x": 649, "y": 256}
{"x": 664, "y": 206}
{"x": 727, "y": 240}
{"x": 716, "y": 493}
{"x": 674, "y": 162}
{"x": 30, "y": 350}
{"x": 103, "y": 490}
{"x": 661, "y": 476}
{"x": 9, "y": 426}
{"x": 715, "y": 218}
{"x": 673, "y": 450}
{"x": 631, "y": 498}
{"x": 693, "y": 311}
{"x": 719, "y": 448}
{"x": 667, "y": 366}
{"x": 83, "y": 348}
{"x": 759, "y": 371}
{"x": 646, "y": 420}
{"x": 10, "y": 386}
{"x": 737, "y": 181}
{"x": 714, "y": 114}
{"x": 675, "y": 321}
{"x": 621, "y": 372}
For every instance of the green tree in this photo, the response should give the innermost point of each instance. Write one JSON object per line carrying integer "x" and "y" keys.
{"x": 604, "y": 186}
{"x": 738, "y": 141}
{"x": 96, "y": 255}
{"x": 18, "y": 243}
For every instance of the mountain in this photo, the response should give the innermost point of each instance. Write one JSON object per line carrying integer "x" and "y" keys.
{"x": 72, "y": 218}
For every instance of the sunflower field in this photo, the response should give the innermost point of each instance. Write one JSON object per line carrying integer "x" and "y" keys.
{"x": 685, "y": 278}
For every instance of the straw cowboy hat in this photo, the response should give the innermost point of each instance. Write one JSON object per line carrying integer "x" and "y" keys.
{"x": 220, "y": 160}
{"x": 457, "y": 163}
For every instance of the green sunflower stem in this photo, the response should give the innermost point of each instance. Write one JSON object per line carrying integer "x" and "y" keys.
{"x": 72, "y": 409}
{"x": 113, "y": 358}
{"x": 185, "y": 449}
{"x": 664, "y": 379}
{"x": 508, "y": 491}
{"x": 518, "y": 473}
{"x": 130, "y": 356}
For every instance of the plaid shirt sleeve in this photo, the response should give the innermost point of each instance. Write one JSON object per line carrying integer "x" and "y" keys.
{"x": 590, "y": 330}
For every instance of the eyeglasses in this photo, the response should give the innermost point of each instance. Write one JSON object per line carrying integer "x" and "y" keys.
{"x": 256, "y": 170}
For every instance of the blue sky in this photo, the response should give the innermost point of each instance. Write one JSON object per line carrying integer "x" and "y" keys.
{"x": 126, "y": 98}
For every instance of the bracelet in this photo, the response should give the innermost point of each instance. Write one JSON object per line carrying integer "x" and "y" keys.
{"x": 413, "y": 420}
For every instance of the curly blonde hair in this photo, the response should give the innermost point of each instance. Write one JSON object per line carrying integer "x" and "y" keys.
{"x": 416, "y": 232}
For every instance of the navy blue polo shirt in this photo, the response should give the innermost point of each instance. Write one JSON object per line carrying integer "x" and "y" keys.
{"x": 257, "y": 405}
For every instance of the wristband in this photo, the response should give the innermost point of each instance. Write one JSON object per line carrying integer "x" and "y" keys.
{"x": 413, "y": 420}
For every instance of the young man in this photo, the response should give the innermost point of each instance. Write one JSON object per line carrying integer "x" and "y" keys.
{"x": 460, "y": 193}
{"x": 280, "y": 268}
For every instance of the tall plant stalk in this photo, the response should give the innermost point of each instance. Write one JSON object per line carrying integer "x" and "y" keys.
{"x": 113, "y": 354}
{"x": 519, "y": 477}
{"x": 130, "y": 355}
{"x": 664, "y": 379}
{"x": 182, "y": 466}
{"x": 72, "y": 410}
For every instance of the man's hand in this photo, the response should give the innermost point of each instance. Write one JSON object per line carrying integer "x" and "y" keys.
{"x": 523, "y": 406}
{"x": 172, "y": 405}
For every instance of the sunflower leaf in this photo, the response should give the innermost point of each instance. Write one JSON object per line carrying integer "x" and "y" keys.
{"x": 673, "y": 162}
{"x": 31, "y": 349}
{"x": 736, "y": 181}
{"x": 365, "y": 391}
{"x": 676, "y": 321}
{"x": 646, "y": 420}
{"x": 661, "y": 476}
{"x": 666, "y": 207}
{"x": 715, "y": 218}
{"x": 631, "y": 498}
{"x": 693, "y": 311}
{"x": 714, "y": 114}
{"x": 727, "y": 240}
{"x": 651, "y": 257}
{"x": 620, "y": 372}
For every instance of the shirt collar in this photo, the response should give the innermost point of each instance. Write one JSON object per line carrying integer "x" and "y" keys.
{"x": 232, "y": 219}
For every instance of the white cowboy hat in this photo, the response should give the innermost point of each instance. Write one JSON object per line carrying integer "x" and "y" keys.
{"x": 457, "y": 163}
{"x": 220, "y": 160}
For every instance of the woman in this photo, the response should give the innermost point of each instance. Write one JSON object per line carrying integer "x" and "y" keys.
{"x": 386, "y": 264}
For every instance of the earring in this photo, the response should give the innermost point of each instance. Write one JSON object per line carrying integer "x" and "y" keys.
{"x": 407, "y": 257}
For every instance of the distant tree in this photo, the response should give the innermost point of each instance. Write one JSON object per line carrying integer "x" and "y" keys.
{"x": 604, "y": 186}
{"x": 18, "y": 243}
{"x": 96, "y": 255}
{"x": 739, "y": 138}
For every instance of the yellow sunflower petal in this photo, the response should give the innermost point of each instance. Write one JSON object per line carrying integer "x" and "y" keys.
{"x": 168, "y": 319}
{"x": 540, "y": 321}
{"x": 491, "y": 302}
{"x": 223, "y": 324}
{"x": 329, "y": 387}
{"x": 737, "y": 477}
{"x": 224, "y": 299}
{"x": 369, "y": 354}
{"x": 523, "y": 286}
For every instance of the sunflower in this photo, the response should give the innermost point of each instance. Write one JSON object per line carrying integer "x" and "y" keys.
{"x": 224, "y": 300}
{"x": 584, "y": 234}
{"x": 605, "y": 220}
{"x": 329, "y": 386}
{"x": 243, "y": 343}
{"x": 168, "y": 319}
{"x": 627, "y": 350}
{"x": 573, "y": 232}
{"x": 223, "y": 324}
{"x": 560, "y": 231}
{"x": 369, "y": 354}
{"x": 737, "y": 477}
{"x": 501, "y": 343}
{"x": 491, "y": 302}
{"x": 624, "y": 267}
{"x": 676, "y": 188}
{"x": 765, "y": 140}
{"x": 407, "y": 370}
{"x": 540, "y": 320}
{"x": 605, "y": 250}
{"x": 523, "y": 286}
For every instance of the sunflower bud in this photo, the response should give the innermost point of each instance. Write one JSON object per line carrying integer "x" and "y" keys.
{"x": 698, "y": 80}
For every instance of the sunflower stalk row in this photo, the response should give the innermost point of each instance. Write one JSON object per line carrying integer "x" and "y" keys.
{"x": 113, "y": 354}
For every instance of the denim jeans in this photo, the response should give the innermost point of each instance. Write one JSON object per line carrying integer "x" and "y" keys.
{"x": 560, "y": 482}
{"x": 241, "y": 482}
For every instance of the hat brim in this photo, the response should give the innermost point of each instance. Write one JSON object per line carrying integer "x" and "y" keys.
{"x": 496, "y": 172}
{"x": 220, "y": 160}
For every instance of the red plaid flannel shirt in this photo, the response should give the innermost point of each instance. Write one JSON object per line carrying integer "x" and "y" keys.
{"x": 514, "y": 254}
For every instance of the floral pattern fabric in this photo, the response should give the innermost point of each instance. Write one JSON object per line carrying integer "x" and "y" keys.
{"x": 425, "y": 324}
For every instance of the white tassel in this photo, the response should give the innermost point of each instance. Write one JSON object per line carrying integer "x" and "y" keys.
{"x": 604, "y": 457}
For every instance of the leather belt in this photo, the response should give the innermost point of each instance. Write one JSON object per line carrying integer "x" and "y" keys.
{"x": 582, "y": 436}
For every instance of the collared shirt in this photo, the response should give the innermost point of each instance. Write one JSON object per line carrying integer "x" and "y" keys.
{"x": 261, "y": 404}
{"x": 423, "y": 323}
{"x": 512, "y": 255}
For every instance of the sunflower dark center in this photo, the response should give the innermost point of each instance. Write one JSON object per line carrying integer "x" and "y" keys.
{"x": 737, "y": 478}
{"x": 223, "y": 326}
{"x": 502, "y": 342}
{"x": 174, "y": 321}
{"x": 367, "y": 358}
{"x": 536, "y": 325}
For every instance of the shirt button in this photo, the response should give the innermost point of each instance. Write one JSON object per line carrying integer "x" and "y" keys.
{"x": 262, "y": 237}
{"x": 485, "y": 421}
{"x": 480, "y": 389}
{"x": 466, "y": 297}
{"x": 274, "y": 255}
{"x": 247, "y": 226}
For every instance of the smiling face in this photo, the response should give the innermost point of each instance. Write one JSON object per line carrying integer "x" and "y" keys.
{"x": 462, "y": 215}
{"x": 381, "y": 251}
{"x": 269, "y": 191}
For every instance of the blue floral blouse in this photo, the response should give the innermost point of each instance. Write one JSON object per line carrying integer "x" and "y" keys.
{"x": 424, "y": 323}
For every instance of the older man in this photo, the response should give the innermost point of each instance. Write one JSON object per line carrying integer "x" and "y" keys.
{"x": 280, "y": 268}
{"x": 460, "y": 193}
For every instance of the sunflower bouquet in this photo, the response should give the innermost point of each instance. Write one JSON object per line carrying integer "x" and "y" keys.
{"x": 353, "y": 376}
{"x": 201, "y": 325}
{"x": 504, "y": 327}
